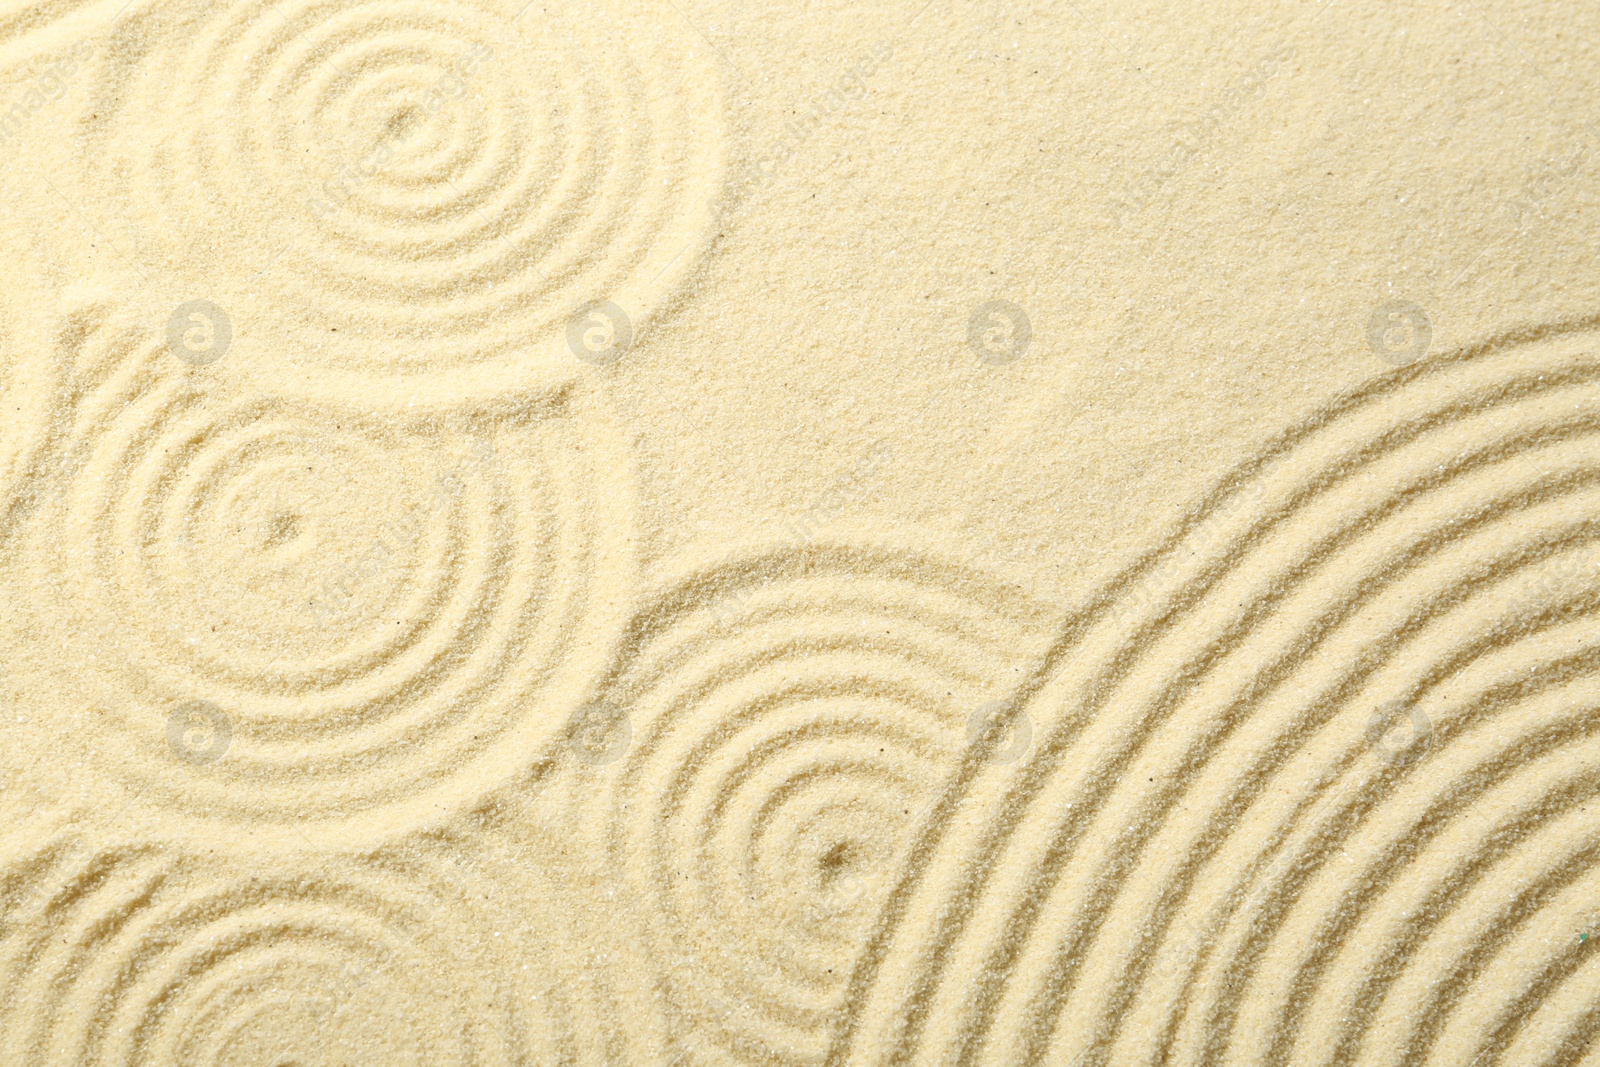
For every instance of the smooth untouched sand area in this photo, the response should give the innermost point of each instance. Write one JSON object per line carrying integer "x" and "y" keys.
{"x": 676, "y": 532}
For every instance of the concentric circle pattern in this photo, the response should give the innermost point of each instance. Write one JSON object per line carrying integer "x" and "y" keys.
{"x": 794, "y": 715}
{"x": 144, "y": 956}
{"x": 413, "y": 197}
{"x": 380, "y": 620}
{"x": 396, "y": 667}
{"x": 1314, "y": 784}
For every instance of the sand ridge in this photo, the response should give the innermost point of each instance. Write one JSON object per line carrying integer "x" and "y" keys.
{"x": 1258, "y": 741}
{"x": 447, "y": 952}
{"x": 793, "y": 713}
{"x": 421, "y": 224}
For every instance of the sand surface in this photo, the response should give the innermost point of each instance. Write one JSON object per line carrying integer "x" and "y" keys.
{"x": 675, "y": 532}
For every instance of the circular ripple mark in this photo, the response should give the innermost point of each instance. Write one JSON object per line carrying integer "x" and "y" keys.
{"x": 793, "y": 716}
{"x": 380, "y": 623}
{"x": 412, "y": 199}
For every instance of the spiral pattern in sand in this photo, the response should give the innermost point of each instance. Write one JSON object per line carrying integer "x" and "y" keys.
{"x": 445, "y": 954}
{"x": 792, "y": 715}
{"x": 1316, "y": 782}
{"x": 385, "y": 620}
{"x": 410, "y": 200}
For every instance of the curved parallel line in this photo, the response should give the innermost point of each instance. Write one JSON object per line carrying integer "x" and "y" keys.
{"x": 438, "y": 953}
{"x": 1077, "y": 626}
{"x": 1442, "y": 738}
{"x": 1493, "y": 696}
{"x": 1314, "y": 714}
{"x": 1082, "y": 622}
{"x": 1290, "y": 658}
{"x": 1549, "y": 983}
{"x": 1110, "y": 775}
{"x": 1509, "y": 918}
{"x": 1345, "y": 821}
{"x": 1438, "y": 822}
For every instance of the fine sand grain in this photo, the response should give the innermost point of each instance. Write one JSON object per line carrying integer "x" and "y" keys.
{"x": 666, "y": 532}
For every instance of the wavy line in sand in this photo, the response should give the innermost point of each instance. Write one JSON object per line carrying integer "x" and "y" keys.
{"x": 791, "y": 714}
{"x": 448, "y": 952}
{"x": 1232, "y": 843}
{"x": 30, "y": 386}
{"x": 389, "y": 619}
{"x": 405, "y": 199}
{"x": 32, "y": 27}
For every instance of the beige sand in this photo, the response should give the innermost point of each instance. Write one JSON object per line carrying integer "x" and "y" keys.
{"x": 674, "y": 532}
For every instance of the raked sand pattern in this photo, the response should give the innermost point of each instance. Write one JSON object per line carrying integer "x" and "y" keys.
{"x": 449, "y": 954}
{"x": 449, "y": 620}
{"x": 1312, "y": 782}
{"x": 778, "y": 730}
{"x": 365, "y": 618}
{"x": 422, "y": 225}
